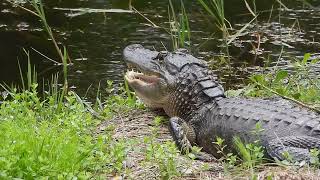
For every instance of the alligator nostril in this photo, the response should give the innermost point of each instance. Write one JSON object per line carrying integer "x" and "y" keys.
{"x": 134, "y": 46}
{"x": 164, "y": 53}
{"x": 182, "y": 51}
{"x": 161, "y": 55}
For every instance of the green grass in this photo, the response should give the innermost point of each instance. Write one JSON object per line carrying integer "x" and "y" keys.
{"x": 298, "y": 85}
{"x": 215, "y": 9}
{"x": 163, "y": 155}
{"x": 179, "y": 27}
{"x": 39, "y": 140}
{"x": 53, "y": 137}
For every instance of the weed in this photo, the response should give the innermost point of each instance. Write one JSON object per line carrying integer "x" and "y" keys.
{"x": 315, "y": 161}
{"x": 298, "y": 86}
{"x": 164, "y": 155}
{"x": 39, "y": 11}
{"x": 215, "y": 9}
{"x": 179, "y": 27}
{"x": 51, "y": 137}
{"x": 120, "y": 100}
{"x": 250, "y": 155}
{"x": 230, "y": 158}
{"x": 39, "y": 142}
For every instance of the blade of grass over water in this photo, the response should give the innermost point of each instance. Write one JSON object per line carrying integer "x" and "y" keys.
{"x": 179, "y": 27}
{"x": 21, "y": 76}
{"x": 38, "y": 6}
{"x": 253, "y": 12}
{"x": 185, "y": 30}
{"x": 45, "y": 56}
{"x": 283, "y": 5}
{"x": 65, "y": 66}
{"x": 40, "y": 13}
{"x": 215, "y": 8}
{"x": 239, "y": 32}
{"x": 31, "y": 74}
{"x": 152, "y": 23}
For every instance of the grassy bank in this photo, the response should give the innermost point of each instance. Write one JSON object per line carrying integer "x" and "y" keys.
{"x": 44, "y": 139}
{"x": 62, "y": 137}
{"x": 38, "y": 140}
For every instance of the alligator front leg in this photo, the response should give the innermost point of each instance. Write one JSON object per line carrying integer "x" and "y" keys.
{"x": 297, "y": 147}
{"x": 185, "y": 137}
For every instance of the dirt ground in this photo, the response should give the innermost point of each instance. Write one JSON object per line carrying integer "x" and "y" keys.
{"x": 137, "y": 125}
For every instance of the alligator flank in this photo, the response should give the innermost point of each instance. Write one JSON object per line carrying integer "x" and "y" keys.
{"x": 191, "y": 95}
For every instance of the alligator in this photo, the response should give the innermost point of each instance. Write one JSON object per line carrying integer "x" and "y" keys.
{"x": 190, "y": 93}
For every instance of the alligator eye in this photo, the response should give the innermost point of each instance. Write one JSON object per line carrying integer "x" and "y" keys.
{"x": 161, "y": 55}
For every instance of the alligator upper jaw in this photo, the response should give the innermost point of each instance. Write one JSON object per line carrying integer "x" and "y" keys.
{"x": 141, "y": 78}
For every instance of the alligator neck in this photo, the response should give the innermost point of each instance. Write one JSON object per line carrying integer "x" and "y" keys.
{"x": 194, "y": 87}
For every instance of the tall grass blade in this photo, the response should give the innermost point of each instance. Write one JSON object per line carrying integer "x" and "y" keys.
{"x": 206, "y": 7}
{"x": 179, "y": 27}
{"x": 249, "y": 9}
{"x": 21, "y": 76}
{"x": 65, "y": 65}
{"x": 239, "y": 32}
{"x": 242, "y": 149}
{"x": 215, "y": 8}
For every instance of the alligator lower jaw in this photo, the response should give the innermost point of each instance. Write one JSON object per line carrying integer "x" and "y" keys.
{"x": 140, "y": 78}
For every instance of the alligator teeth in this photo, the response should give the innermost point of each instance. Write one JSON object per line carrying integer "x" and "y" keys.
{"x": 131, "y": 74}
{"x": 135, "y": 71}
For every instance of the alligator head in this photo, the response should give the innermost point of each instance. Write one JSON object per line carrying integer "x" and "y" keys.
{"x": 157, "y": 76}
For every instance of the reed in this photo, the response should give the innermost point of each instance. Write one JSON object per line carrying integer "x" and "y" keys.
{"x": 179, "y": 27}
{"x": 215, "y": 8}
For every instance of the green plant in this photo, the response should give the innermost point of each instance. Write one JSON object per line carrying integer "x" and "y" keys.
{"x": 164, "y": 155}
{"x": 120, "y": 100}
{"x": 230, "y": 158}
{"x": 299, "y": 86}
{"x": 215, "y": 9}
{"x": 39, "y": 11}
{"x": 51, "y": 136}
{"x": 315, "y": 161}
{"x": 179, "y": 27}
{"x": 37, "y": 141}
{"x": 251, "y": 155}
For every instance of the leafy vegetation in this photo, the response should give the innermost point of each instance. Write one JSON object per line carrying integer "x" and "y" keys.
{"x": 164, "y": 155}
{"x": 298, "y": 85}
{"x": 215, "y": 8}
{"x": 179, "y": 27}
{"x": 53, "y": 135}
{"x": 40, "y": 140}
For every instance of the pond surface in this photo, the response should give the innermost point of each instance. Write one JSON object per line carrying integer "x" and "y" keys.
{"x": 95, "y": 40}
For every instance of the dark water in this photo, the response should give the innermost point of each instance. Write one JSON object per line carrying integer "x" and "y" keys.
{"x": 95, "y": 40}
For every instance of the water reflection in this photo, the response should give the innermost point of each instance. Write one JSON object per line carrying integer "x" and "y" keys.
{"x": 95, "y": 40}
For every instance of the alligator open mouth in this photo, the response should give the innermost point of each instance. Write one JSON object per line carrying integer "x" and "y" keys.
{"x": 141, "y": 78}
